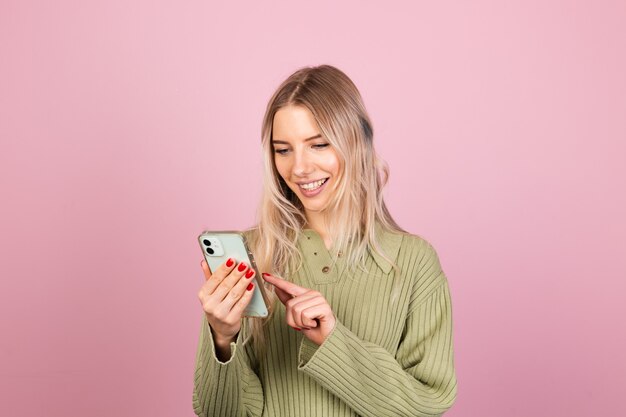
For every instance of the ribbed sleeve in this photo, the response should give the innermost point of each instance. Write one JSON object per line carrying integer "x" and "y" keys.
{"x": 229, "y": 388}
{"x": 418, "y": 381}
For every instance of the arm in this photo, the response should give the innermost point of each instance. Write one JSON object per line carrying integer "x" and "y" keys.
{"x": 229, "y": 388}
{"x": 420, "y": 379}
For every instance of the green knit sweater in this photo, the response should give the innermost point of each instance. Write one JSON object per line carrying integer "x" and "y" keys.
{"x": 381, "y": 359}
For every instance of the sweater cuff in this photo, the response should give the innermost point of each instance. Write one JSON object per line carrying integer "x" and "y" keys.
{"x": 309, "y": 351}
{"x": 210, "y": 346}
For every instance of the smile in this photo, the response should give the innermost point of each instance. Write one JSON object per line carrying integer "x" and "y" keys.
{"x": 313, "y": 185}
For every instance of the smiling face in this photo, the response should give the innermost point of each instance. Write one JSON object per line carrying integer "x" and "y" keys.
{"x": 305, "y": 160}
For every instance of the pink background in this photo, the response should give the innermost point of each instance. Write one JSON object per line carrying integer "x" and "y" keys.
{"x": 128, "y": 127}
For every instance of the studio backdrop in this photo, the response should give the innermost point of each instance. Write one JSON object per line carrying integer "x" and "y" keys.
{"x": 128, "y": 127}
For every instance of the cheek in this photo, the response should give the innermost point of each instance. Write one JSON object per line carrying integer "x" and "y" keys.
{"x": 282, "y": 168}
{"x": 334, "y": 165}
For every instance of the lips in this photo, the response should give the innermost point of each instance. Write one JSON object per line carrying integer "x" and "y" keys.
{"x": 314, "y": 191}
{"x": 313, "y": 184}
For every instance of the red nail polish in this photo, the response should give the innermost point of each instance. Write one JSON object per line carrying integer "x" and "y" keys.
{"x": 266, "y": 274}
{"x": 250, "y": 273}
{"x": 250, "y": 286}
{"x": 298, "y": 329}
{"x": 242, "y": 266}
{"x": 230, "y": 262}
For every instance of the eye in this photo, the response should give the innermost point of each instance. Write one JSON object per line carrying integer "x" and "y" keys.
{"x": 281, "y": 151}
{"x": 321, "y": 145}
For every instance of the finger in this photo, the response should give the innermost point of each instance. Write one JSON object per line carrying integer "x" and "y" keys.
{"x": 286, "y": 286}
{"x": 297, "y": 312}
{"x": 214, "y": 280}
{"x": 283, "y": 296}
{"x": 229, "y": 282}
{"x": 206, "y": 269}
{"x": 295, "y": 300}
{"x": 319, "y": 312}
{"x": 238, "y": 290}
{"x": 291, "y": 322}
{"x": 242, "y": 303}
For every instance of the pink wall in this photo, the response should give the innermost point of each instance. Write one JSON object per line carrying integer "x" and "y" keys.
{"x": 129, "y": 126}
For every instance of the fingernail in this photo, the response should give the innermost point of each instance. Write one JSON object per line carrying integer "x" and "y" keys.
{"x": 265, "y": 274}
{"x": 298, "y": 329}
{"x": 250, "y": 273}
{"x": 230, "y": 262}
{"x": 250, "y": 286}
{"x": 242, "y": 266}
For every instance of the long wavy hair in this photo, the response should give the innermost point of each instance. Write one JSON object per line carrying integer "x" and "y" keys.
{"x": 357, "y": 205}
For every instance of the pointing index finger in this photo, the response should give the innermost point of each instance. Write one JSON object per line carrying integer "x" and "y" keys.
{"x": 286, "y": 286}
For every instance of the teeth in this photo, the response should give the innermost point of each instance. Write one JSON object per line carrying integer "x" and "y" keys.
{"x": 313, "y": 185}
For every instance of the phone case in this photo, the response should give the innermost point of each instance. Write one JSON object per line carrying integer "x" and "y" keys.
{"x": 218, "y": 246}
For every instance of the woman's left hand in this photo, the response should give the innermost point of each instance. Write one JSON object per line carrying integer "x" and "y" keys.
{"x": 306, "y": 310}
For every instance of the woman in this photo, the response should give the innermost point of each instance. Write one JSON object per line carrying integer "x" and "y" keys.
{"x": 362, "y": 320}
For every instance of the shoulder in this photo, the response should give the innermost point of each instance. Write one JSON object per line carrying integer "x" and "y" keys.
{"x": 419, "y": 262}
{"x": 410, "y": 252}
{"x": 420, "y": 249}
{"x": 407, "y": 244}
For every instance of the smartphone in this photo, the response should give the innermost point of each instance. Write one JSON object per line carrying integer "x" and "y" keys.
{"x": 217, "y": 247}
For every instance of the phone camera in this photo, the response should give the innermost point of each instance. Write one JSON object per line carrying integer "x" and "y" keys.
{"x": 211, "y": 245}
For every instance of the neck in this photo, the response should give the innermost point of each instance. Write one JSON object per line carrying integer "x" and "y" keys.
{"x": 317, "y": 222}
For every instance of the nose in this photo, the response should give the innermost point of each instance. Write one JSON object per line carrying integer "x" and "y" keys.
{"x": 302, "y": 165}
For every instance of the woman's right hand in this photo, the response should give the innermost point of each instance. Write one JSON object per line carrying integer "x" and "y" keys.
{"x": 224, "y": 296}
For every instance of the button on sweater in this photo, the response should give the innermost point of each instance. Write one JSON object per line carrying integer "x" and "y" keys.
{"x": 383, "y": 358}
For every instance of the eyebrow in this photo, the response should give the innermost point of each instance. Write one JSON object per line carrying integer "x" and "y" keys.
{"x": 319, "y": 135}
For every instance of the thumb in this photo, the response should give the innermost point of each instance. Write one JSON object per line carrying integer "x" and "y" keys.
{"x": 206, "y": 270}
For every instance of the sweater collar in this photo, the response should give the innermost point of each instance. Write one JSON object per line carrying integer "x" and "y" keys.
{"x": 389, "y": 243}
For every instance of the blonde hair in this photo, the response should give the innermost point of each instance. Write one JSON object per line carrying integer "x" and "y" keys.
{"x": 357, "y": 204}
